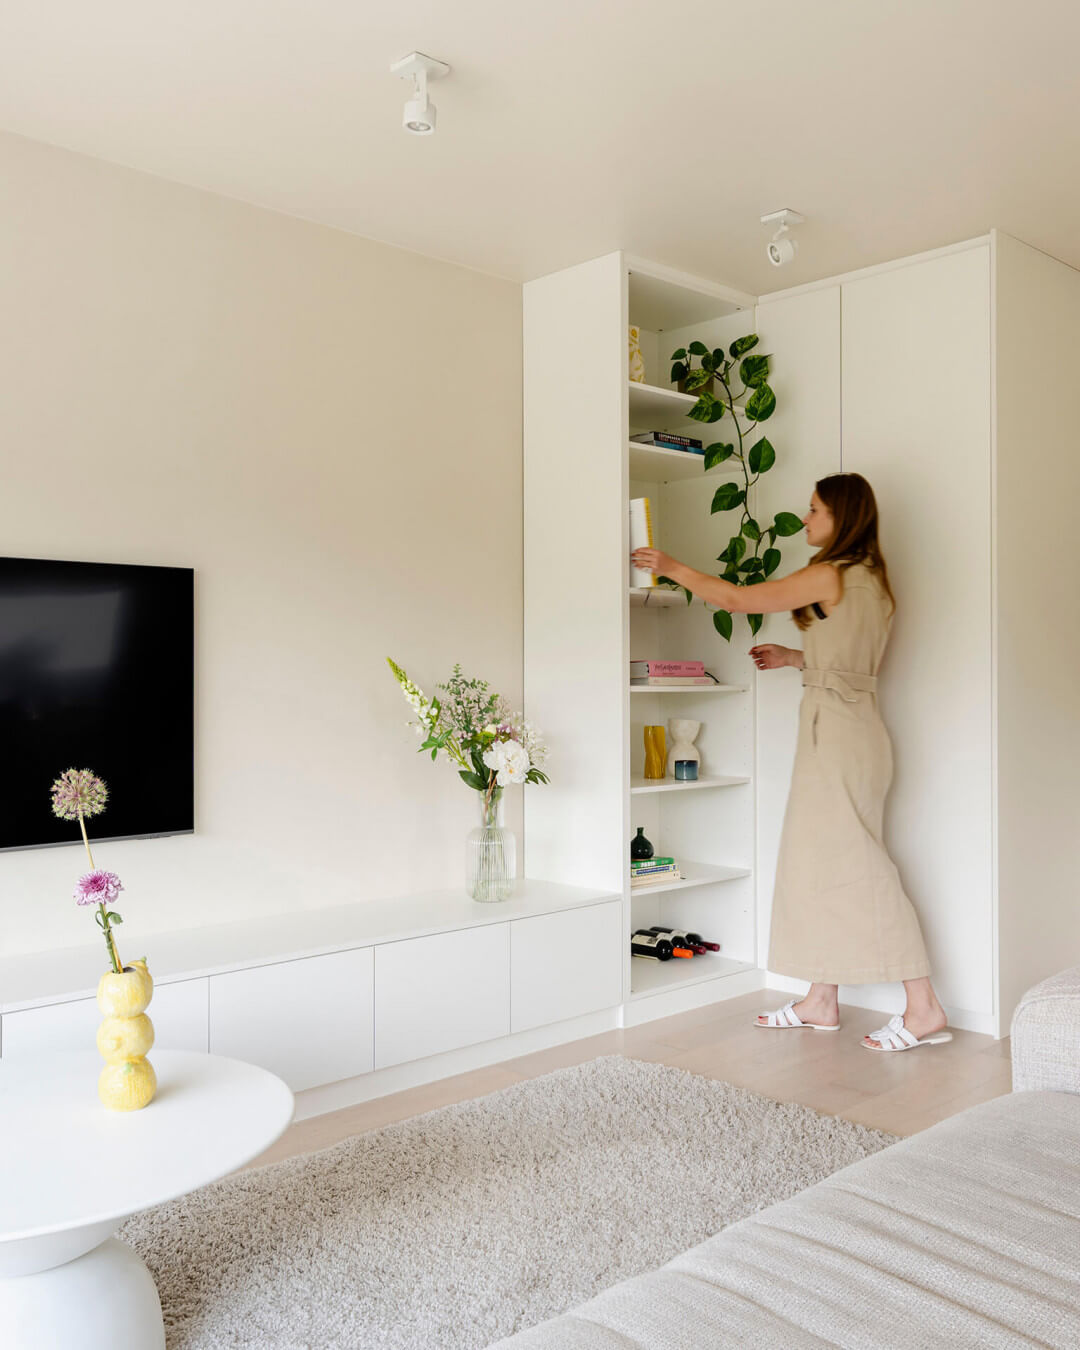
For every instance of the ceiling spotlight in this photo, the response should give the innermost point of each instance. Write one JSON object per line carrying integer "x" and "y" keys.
{"x": 780, "y": 249}
{"x": 419, "y": 115}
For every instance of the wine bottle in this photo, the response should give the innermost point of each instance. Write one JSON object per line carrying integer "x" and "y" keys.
{"x": 692, "y": 939}
{"x": 677, "y": 949}
{"x": 677, "y": 939}
{"x": 650, "y": 946}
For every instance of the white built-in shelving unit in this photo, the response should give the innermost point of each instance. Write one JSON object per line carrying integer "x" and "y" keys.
{"x": 579, "y": 451}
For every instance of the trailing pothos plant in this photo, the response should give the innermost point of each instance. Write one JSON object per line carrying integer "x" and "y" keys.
{"x": 745, "y": 563}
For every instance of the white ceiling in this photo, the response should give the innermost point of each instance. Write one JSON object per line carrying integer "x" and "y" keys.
{"x": 573, "y": 127}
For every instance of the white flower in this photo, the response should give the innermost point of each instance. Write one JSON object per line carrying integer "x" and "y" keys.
{"x": 509, "y": 760}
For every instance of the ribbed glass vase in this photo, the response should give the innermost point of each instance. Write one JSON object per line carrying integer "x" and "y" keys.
{"x": 490, "y": 852}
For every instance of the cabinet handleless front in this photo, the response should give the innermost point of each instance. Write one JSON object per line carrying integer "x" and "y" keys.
{"x": 309, "y": 1021}
{"x": 438, "y": 993}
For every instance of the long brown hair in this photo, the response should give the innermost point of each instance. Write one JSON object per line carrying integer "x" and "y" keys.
{"x": 851, "y": 500}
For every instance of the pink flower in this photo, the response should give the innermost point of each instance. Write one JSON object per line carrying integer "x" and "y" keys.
{"x": 97, "y": 888}
{"x": 78, "y": 792}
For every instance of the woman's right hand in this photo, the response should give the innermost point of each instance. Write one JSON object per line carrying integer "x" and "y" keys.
{"x": 771, "y": 656}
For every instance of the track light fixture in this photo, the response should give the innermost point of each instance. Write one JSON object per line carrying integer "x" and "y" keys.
{"x": 780, "y": 249}
{"x": 419, "y": 115}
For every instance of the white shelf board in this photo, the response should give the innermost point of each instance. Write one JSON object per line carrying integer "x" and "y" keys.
{"x": 658, "y": 977}
{"x": 641, "y": 785}
{"x": 655, "y": 463}
{"x": 656, "y": 597}
{"x": 689, "y": 688}
{"x": 60, "y": 975}
{"x": 649, "y": 402}
{"x": 694, "y": 874}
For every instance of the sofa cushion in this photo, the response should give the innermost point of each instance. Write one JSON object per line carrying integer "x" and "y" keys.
{"x": 967, "y": 1234}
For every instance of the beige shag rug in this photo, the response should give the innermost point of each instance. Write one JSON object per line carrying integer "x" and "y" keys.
{"x": 453, "y": 1229}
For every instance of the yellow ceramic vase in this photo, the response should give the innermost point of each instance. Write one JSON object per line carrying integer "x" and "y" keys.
{"x": 655, "y": 752}
{"x": 127, "y": 1081}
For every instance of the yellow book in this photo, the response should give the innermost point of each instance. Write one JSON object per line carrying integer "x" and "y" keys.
{"x": 641, "y": 536}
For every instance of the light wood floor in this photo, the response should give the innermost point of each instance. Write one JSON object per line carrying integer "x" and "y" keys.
{"x": 829, "y": 1071}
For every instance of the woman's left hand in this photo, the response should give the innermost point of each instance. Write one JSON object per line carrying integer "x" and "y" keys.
{"x": 652, "y": 560}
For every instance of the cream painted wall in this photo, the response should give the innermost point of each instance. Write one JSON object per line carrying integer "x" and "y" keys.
{"x": 329, "y": 432}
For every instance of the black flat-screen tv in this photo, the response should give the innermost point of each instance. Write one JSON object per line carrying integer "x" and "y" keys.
{"x": 96, "y": 672}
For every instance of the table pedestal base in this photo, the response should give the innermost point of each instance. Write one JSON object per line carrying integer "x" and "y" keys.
{"x": 104, "y": 1300}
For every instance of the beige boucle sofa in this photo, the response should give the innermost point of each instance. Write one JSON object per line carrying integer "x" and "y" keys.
{"x": 965, "y": 1235}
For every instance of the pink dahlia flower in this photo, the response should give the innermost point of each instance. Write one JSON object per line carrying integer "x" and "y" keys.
{"x": 97, "y": 888}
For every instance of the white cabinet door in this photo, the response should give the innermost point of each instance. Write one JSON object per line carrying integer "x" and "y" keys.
{"x": 308, "y": 1021}
{"x": 178, "y": 1012}
{"x": 916, "y": 422}
{"x": 439, "y": 993}
{"x": 564, "y": 965}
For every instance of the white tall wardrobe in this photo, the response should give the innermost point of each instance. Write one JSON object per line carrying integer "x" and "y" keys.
{"x": 946, "y": 379}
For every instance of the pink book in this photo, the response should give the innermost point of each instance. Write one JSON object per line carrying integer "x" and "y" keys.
{"x": 680, "y": 668}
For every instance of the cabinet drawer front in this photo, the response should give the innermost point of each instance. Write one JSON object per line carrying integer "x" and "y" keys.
{"x": 308, "y": 1021}
{"x": 178, "y": 1012}
{"x": 439, "y": 993}
{"x": 565, "y": 965}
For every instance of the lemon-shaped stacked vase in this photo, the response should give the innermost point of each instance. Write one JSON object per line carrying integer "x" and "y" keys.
{"x": 128, "y": 1081}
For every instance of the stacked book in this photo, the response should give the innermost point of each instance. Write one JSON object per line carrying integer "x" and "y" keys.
{"x": 668, "y": 674}
{"x": 651, "y": 871}
{"x": 666, "y": 440}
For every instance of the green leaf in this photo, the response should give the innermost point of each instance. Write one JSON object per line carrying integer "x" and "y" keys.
{"x": 678, "y": 372}
{"x": 754, "y": 579}
{"x": 114, "y": 918}
{"x": 718, "y": 358}
{"x": 679, "y": 355}
{"x": 761, "y": 404}
{"x": 697, "y": 379}
{"x": 697, "y": 349}
{"x": 751, "y": 528}
{"x": 754, "y": 371}
{"x": 726, "y": 497}
{"x": 742, "y": 345}
{"x": 771, "y": 532}
{"x": 707, "y": 363}
{"x": 731, "y": 573}
{"x": 689, "y": 596}
{"x": 735, "y": 550}
{"x": 716, "y": 454}
{"x": 750, "y": 565}
{"x": 708, "y": 408}
{"x": 762, "y": 456}
{"x": 722, "y": 623}
{"x": 771, "y": 561}
{"x": 754, "y": 620}
{"x": 472, "y": 780}
{"x": 786, "y": 524}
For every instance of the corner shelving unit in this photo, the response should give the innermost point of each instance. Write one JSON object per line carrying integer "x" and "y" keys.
{"x": 580, "y": 455}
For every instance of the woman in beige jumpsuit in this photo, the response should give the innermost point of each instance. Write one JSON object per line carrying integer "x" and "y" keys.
{"x": 840, "y": 915}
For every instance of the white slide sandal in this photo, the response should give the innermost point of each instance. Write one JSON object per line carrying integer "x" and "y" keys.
{"x": 786, "y": 1019}
{"x": 896, "y": 1036}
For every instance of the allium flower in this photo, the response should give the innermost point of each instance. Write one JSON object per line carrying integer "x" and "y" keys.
{"x": 78, "y": 792}
{"x": 97, "y": 888}
{"x": 510, "y": 761}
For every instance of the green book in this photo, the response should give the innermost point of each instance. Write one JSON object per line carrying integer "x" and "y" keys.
{"x": 650, "y": 862}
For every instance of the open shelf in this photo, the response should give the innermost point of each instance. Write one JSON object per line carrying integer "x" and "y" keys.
{"x": 653, "y": 403}
{"x": 656, "y": 977}
{"x": 656, "y": 597}
{"x": 694, "y": 874}
{"x": 688, "y": 688}
{"x": 641, "y": 785}
{"x": 657, "y": 464}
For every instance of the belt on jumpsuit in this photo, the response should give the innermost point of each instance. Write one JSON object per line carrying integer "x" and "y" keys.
{"x": 842, "y": 682}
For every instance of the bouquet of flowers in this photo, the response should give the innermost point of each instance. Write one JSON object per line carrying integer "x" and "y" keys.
{"x": 491, "y": 745}
{"x": 77, "y": 795}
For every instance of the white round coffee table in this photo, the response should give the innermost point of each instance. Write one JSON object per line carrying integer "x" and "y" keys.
{"x": 73, "y": 1171}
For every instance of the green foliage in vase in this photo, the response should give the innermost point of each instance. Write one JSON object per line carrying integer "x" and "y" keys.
{"x": 751, "y": 555}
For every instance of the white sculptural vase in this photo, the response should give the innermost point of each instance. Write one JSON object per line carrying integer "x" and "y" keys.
{"x": 683, "y": 749}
